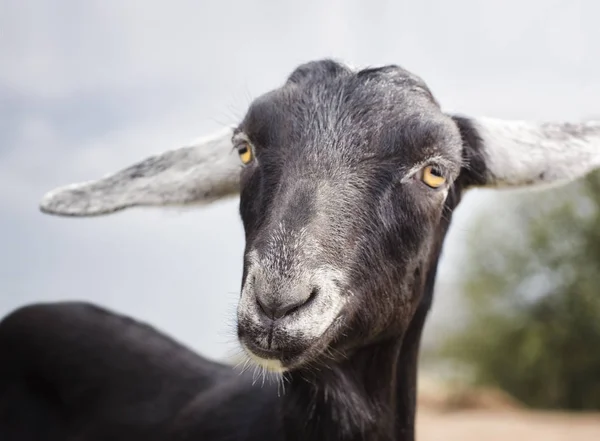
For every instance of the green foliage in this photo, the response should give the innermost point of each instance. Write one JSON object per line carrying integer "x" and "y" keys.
{"x": 533, "y": 297}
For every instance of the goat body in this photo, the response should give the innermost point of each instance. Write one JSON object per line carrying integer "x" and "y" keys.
{"x": 77, "y": 371}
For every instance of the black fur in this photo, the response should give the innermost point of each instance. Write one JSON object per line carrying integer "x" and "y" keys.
{"x": 475, "y": 173}
{"x": 332, "y": 152}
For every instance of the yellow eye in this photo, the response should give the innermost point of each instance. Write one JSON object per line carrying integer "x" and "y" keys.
{"x": 245, "y": 152}
{"x": 432, "y": 177}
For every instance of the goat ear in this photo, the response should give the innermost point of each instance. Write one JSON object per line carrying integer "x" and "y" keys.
{"x": 501, "y": 153}
{"x": 203, "y": 172}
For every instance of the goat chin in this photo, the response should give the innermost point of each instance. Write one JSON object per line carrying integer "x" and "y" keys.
{"x": 269, "y": 364}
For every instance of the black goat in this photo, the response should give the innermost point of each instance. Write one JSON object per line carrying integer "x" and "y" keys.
{"x": 348, "y": 183}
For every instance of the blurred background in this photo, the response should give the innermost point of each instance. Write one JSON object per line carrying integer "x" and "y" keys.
{"x": 88, "y": 87}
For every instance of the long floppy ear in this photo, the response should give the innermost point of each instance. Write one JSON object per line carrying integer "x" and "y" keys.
{"x": 501, "y": 153}
{"x": 203, "y": 172}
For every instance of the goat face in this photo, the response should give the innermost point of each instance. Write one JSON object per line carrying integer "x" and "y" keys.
{"x": 342, "y": 192}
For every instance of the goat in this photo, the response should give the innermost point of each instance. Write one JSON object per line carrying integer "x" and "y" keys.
{"x": 347, "y": 182}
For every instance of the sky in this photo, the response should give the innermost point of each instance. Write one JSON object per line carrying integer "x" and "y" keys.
{"x": 86, "y": 88}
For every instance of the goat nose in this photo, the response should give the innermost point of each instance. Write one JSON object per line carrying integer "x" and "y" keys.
{"x": 276, "y": 308}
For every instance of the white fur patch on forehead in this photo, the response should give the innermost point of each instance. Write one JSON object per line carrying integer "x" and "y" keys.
{"x": 520, "y": 153}
{"x": 202, "y": 172}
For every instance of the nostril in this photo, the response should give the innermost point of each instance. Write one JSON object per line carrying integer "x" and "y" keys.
{"x": 283, "y": 311}
{"x": 280, "y": 309}
{"x": 263, "y": 307}
{"x": 301, "y": 303}
{"x": 313, "y": 295}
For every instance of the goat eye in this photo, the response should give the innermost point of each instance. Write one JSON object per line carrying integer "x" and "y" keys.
{"x": 432, "y": 177}
{"x": 245, "y": 152}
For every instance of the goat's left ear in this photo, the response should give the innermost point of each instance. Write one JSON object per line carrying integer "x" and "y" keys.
{"x": 501, "y": 153}
{"x": 203, "y": 172}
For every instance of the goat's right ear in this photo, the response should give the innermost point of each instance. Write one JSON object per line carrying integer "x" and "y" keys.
{"x": 203, "y": 172}
{"x": 500, "y": 153}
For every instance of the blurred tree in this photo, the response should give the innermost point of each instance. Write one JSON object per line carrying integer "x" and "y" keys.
{"x": 532, "y": 294}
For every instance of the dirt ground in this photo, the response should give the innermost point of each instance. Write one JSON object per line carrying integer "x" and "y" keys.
{"x": 501, "y": 425}
{"x": 447, "y": 414}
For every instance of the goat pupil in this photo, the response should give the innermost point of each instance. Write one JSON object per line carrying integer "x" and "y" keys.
{"x": 436, "y": 172}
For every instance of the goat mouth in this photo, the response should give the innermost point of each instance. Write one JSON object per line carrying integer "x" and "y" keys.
{"x": 265, "y": 354}
{"x": 274, "y": 360}
{"x": 292, "y": 355}
{"x": 269, "y": 360}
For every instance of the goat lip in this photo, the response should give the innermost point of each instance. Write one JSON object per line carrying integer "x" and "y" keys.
{"x": 269, "y": 354}
{"x": 263, "y": 353}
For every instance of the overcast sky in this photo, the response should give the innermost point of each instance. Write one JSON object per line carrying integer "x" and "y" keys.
{"x": 88, "y": 87}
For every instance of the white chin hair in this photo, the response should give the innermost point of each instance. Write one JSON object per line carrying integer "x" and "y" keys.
{"x": 266, "y": 363}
